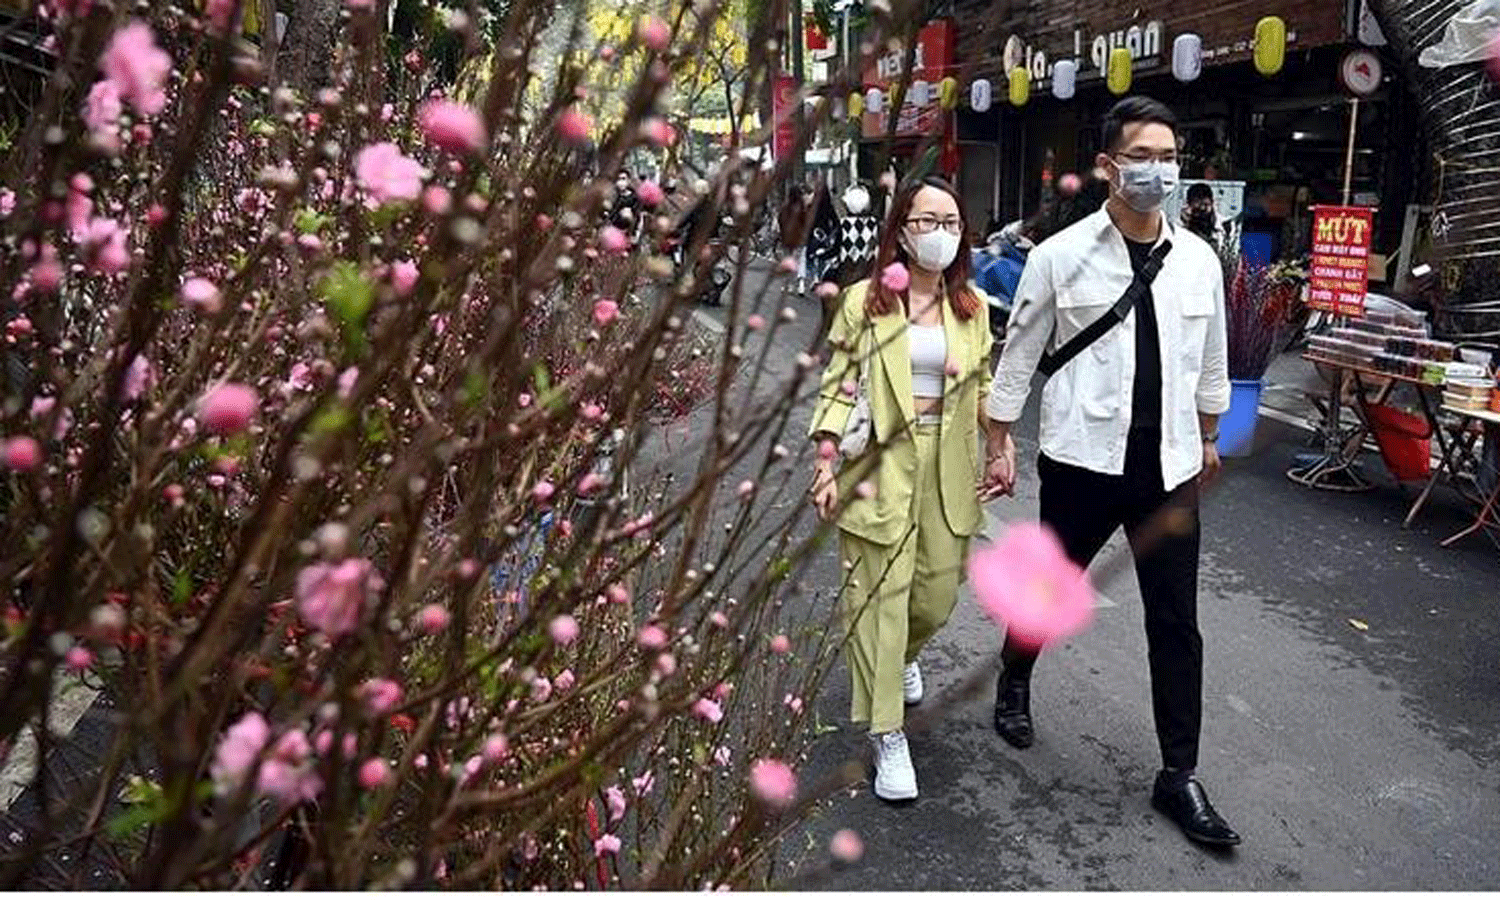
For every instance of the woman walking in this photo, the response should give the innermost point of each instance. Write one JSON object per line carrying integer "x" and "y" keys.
{"x": 924, "y": 350}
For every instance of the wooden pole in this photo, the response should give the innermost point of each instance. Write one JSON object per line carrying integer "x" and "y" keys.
{"x": 1349, "y": 150}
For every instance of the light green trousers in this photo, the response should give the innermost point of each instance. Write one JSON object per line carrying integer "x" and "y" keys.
{"x": 897, "y": 596}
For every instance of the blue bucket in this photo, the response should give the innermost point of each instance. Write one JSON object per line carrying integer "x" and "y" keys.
{"x": 1237, "y": 427}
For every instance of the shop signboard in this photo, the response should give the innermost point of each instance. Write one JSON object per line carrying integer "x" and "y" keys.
{"x": 784, "y": 98}
{"x": 932, "y": 60}
{"x": 1339, "y": 277}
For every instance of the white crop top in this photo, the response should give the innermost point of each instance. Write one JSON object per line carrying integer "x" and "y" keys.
{"x": 929, "y": 360}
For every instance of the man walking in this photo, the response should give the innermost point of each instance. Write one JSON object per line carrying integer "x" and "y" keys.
{"x": 1133, "y": 310}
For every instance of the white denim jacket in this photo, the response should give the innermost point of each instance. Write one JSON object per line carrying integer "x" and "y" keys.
{"x": 1074, "y": 278}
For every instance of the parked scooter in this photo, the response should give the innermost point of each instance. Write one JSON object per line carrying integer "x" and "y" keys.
{"x": 997, "y": 272}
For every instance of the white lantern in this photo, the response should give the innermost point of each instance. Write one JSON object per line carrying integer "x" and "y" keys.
{"x": 917, "y": 94}
{"x": 874, "y": 101}
{"x": 1187, "y": 57}
{"x": 1064, "y": 79}
{"x": 980, "y": 95}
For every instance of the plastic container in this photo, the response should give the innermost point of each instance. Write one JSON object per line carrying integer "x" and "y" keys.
{"x": 1237, "y": 427}
{"x": 1405, "y": 442}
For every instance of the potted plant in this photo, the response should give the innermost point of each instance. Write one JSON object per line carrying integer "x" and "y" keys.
{"x": 1256, "y": 311}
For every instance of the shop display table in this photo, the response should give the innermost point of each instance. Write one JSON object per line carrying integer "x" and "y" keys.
{"x": 1337, "y": 468}
{"x": 1488, "y": 518}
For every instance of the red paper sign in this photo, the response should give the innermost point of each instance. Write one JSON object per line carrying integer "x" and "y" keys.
{"x": 1340, "y": 275}
{"x": 932, "y": 60}
{"x": 816, "y": 39}
{"x": 784, "y": 98}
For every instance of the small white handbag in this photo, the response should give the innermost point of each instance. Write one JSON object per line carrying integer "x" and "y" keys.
{"x": 860, "y": 426}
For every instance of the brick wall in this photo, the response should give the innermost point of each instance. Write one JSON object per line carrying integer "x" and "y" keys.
{"x": 1057, "y": 28}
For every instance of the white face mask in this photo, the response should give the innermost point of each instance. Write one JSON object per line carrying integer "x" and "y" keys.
{"x": 933, "y": 252}
{"x": 1145, "y": 186}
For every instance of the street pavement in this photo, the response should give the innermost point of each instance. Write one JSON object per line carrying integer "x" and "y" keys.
{"x": 1351, "y": 711}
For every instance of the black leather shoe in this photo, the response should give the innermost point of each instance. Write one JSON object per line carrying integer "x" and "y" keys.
{"x": 1013, "y": 712}
{"x": 1188, "y": 806}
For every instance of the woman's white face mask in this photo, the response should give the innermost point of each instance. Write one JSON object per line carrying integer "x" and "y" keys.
{"x": 933, "y": 252}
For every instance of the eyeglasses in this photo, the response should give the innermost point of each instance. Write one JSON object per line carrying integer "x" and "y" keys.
{"x": 929, "y": 224}
{"x": 1166, "y": 158}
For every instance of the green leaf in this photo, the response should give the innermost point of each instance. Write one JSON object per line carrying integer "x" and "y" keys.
{"x": 542, "y": 379}
{"x": 182, "y": 587}
{"x": 347, "y": 293}
{"x": 331, "y": 420}
{"x": 309, "y": 221}
{"x": 131, "y": 820}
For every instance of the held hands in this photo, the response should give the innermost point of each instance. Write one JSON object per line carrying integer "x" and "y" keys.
{"x": 999, "y": 468}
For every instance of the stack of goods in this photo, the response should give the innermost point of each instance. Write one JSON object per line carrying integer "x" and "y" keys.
{"x": 1468, "y": 386}
{"x": 1391, "y": 342}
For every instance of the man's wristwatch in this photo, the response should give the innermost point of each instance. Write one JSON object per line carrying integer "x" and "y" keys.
{"x": 1211, "y": 438}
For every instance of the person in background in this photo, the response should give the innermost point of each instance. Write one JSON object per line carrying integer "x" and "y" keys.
{"x": 823, "y": 237}
{"x": 793, "y": 225}
{"x": 1200, "y": 214}
{"x": 859, "y": 230}
{"x": 1129, "y": 426}
{"x": 904, "y": 525}
{"x": 625, "y": 211}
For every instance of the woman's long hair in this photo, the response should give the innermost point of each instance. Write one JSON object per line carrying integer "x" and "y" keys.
{"x": 881, "y": 300}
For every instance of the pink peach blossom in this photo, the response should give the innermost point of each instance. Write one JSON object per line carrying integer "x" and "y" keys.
{"x": 104, "y": 241}
{"x": 374, "y": 773}
{"x": 613, "y": 240}
{"x": 781, "y": 644}
{"x": 137, "y": 67}
{"x": 78, "y": 658}
{"x": 202, "y": 294}
{"x": 826, "y": 290}
{"x": 590, "y": 483}
{"x": 614, "y": 798}
{"x": 432, "y": 618}
{"x": 658, "y": 132}
{"x": 1069, "y": 184}
{"x": 288, "y": 774}
{"x": 103, "y": 107}
{"x": 381, "y": 695}
{"x": 437, "y": 200}
{"x": 220, "y": 14}
{"x": 21, "y": 453}
{"x": 331, "y": 597}
{"x": 895, "y": 277}
{"x": 654, "y": 33}
{"x": 708, "y": 710}
{"x": 404, "y": 275}
{"x": 496, "y": 748}
{"x": 1026, "y": 583}
{"x": 563, "y": 630}
{"x": 755, "y": 322}
{"x": 617, "y": 593}
{"x": 605, "y": 312}
{"x": 722, "y": 756}
{"x": 574, "y": 125}
{"x": 649, "y": 193}
{"x": 606, "y": 845}
{"x": 846, "y": 846}
{"x": 138, "y": 377}
{"x": 228, "y": 408}
{"x": 454, "y": 127}
{"x": 237, "y": 751}
{"x": 652, "y": 637}
{"x": 543, "y": 491}
{"x": 387, "y": 175}
{"x": 564, "y": 681}
{"x": 665, "y": 665}
{"x": 773, "y": 782}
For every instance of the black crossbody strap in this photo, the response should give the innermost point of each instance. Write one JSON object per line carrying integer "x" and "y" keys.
{"x": 1140, "y": 286}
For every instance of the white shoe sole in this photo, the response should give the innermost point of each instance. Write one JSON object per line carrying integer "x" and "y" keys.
{"x": 897, "y": 797}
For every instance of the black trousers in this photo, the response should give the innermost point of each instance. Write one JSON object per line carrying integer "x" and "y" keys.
{"x": 1085, "y": 508}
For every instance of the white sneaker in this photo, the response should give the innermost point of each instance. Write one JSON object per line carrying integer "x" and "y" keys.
{"x": 895, "y": 779}
{"x": 911, "y": 684}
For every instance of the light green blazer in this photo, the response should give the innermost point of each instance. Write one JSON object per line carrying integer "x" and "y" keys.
{"x": 884, "y": 517}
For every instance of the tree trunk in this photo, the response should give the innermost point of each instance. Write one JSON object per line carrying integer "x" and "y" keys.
{"x": 1460, "y": 106}
{"x": 307, "y": 55}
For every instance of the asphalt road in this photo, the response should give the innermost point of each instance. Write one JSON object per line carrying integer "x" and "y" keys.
{"x": 1347, "y": 758}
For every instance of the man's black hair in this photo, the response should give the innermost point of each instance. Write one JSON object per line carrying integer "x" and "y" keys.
{"x": 1199, "y": 191}
{"x": 1132, "y": 110}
